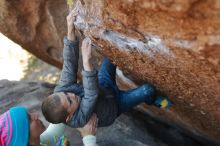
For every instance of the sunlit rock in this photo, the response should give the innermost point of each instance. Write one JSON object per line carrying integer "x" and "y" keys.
{"x": 175, "y": 45}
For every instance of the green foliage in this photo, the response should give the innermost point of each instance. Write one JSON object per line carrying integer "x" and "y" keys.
{"x": 33, "y": 63}
{"x": 37, "y": 70}
{"x": 70, "y": 3}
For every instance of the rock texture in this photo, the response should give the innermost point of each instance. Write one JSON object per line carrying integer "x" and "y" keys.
{"x": 24, "y": 93}
{"x": 175, "y": 45}
{"x": 37, "y": 25}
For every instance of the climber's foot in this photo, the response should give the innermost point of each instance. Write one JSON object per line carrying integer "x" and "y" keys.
{"x": 162, "y": 102}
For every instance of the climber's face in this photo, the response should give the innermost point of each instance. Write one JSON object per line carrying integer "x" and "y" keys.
{"x": 70, "y": 102}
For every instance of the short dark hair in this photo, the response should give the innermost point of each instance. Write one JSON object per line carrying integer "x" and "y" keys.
{"x": 52, "y": 109}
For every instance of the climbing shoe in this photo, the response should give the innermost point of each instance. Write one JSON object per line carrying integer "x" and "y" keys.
{"x": 162, "y": 102}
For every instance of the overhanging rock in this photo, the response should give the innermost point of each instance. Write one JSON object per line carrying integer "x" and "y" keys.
{"x": 37, "y": 25}
{"x": 175, "y": 45}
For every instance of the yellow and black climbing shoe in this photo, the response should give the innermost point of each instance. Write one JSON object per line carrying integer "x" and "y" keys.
{"x": 162, "y": 102}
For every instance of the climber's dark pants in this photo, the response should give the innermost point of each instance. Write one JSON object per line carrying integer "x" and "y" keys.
{"x": 126, "y": 99}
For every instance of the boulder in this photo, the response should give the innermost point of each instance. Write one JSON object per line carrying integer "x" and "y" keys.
{"x": 37, "y": 25}
{"x": 23, "y": 93}
{"x": 174, "y": 45}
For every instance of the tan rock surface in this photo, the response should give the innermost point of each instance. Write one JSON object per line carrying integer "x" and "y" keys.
{"x": 37, "y": 25}
{"x": 175, "y": 45}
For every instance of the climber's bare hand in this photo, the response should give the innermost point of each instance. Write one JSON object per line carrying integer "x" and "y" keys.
{"x": 70, "y": 25}
{"x": 90, "y": 128}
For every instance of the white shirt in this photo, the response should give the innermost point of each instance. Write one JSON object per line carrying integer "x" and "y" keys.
{"x": 89, "y": 140}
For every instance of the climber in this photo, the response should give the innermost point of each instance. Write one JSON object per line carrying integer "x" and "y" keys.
{"x": 73, "y": 103}
{"x": 18, "y": 127}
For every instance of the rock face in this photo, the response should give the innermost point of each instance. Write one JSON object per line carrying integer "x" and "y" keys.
{"x": 175, "y": 45}
{"x": 24, "y": 93}
{"x": 37, "y": 25}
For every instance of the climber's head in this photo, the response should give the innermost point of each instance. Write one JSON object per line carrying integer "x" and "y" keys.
{"x": 60, "y": 107}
